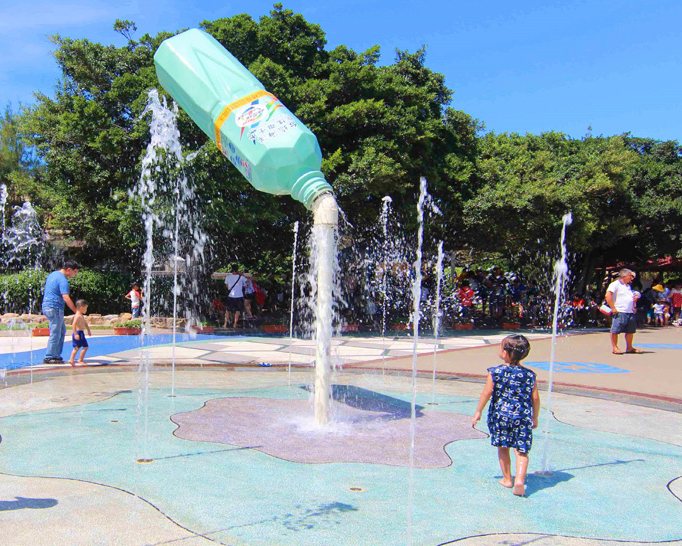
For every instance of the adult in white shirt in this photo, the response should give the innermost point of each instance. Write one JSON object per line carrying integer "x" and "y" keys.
{"x": 622, "y": 300}
{"x": 235, "y": 282}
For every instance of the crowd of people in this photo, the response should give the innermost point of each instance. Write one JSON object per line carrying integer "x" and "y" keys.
{"x": 499, "y": 296}
{"x": 493, "y": 297}
{"x": 490, "y": 298}
{"x": 496, "y": 296}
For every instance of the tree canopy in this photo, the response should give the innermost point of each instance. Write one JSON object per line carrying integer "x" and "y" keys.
{"x": 380, "y": 127}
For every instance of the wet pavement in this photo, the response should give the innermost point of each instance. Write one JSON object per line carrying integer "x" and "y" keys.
{"x": 84, "y": 461}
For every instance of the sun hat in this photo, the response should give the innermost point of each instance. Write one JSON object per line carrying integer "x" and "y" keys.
{"x": 658, "y": 288}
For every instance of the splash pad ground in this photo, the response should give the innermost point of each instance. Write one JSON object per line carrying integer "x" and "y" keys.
{"x": 70, "y": 442}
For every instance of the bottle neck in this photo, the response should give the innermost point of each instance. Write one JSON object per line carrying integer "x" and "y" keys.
{"x": 309, "y": 187}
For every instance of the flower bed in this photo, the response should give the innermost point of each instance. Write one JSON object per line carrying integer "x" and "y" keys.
{"x": 464, "y": 326}
{"x": 40, "y": 331}
{"x": 274, "y": 328}
{"x": 126, "y": 331}
{"x": 511, "y": 325}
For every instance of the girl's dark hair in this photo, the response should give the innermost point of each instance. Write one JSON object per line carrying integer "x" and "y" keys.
{"x": 517, "y": 346}
{"x": 81, "y": 303}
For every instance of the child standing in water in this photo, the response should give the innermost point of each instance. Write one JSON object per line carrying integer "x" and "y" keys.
{"x": 78, "y": 337}
{"x": 514, "y": 410}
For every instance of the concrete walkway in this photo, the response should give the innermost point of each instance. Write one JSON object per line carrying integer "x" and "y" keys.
{"x": 71, "y": 438}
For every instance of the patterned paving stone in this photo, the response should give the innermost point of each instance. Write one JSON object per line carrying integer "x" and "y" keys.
{"x": 373, "y": 432}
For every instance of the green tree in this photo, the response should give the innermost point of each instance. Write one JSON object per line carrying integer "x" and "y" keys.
{"x": 16, "y": 160}
{"x": 656, "y": 190}
{"x": 380, "y": 129}
{"x": 526, "y": 185}
{"x": 12, "y": 149}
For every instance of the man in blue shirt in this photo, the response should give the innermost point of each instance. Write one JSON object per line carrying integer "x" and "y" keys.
{"x": 55, "y": 296}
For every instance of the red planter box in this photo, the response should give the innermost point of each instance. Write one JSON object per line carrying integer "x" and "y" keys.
{"x": 399, "y": 326}
{"x": 274, "y": 328}
{"x": 511, "y": 325}
{"x": 349, "y": 328}
{"x": 204, "y": 329}
{"x": 465, "y": 326}
{"x": 123, "y": 331}
{"x": 40, "y": 331}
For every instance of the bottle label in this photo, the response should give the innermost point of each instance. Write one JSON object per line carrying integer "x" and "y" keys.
{"x": 238, "y": 161}
{"x": 254, "y": 116}
{"x": 272, "y": 127}
{"x": 258, "y": 117}
{"x": 222, "y": 118}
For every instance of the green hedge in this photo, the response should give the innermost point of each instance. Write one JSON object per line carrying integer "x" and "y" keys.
{"x": 19, "y": 290}
{"x": 104, "y": 291}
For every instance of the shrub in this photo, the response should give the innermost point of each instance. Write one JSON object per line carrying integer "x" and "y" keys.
{"x": 137, "y": 323}
{"x": 24, "y": 327}
{"x": 23, "y": 292}
{"x": 104, "y": 291}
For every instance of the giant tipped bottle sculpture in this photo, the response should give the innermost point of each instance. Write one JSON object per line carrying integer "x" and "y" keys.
{"x": 274, "y": 151}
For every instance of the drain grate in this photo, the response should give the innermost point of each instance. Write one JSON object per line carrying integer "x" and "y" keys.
{"x": 357, "y": 489}
{"x": 145, "y": 461}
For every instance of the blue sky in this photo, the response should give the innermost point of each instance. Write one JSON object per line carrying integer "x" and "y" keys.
{"x": 524, "y": 67}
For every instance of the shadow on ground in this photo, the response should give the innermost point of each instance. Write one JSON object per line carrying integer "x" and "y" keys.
{"x": 26, "y": 502}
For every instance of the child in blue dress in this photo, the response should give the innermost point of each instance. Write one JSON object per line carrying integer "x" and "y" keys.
{"x": 513, "y": 412}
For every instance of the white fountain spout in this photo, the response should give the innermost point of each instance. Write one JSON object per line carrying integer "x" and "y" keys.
{"x": 326, "y": 219}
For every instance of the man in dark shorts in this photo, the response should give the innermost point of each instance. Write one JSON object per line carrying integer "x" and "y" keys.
{"x": 622, "y": 300}
{"x": 234, "y": 305}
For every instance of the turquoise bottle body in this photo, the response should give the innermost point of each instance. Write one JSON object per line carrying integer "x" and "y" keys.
{"x": 274, "y": 151}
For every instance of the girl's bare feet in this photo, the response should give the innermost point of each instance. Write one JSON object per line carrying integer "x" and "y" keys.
{"x": 519, "y": 490}
{"x": 81, "y": 361}
{"x": 506, "y": 483}
{"x": 72, "y": 362}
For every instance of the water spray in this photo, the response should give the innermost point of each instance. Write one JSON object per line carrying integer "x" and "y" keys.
{"x": 560, "y": 276}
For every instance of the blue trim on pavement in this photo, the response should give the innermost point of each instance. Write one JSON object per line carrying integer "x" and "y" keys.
{"x": 576, "y": 367}
{"x": 99, "y": 346}
{"x": 676, "y": 346}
